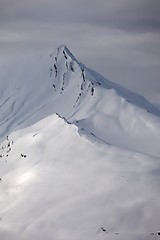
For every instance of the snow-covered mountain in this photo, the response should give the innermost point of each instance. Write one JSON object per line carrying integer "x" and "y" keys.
{"x": 79, "y": 154}
{"x": 98, "y": 107}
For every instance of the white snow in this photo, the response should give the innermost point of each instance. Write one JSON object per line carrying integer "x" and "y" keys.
{"x": 90, "y": 171}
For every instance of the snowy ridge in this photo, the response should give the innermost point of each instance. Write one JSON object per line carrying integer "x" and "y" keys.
{"x": 83, "y": 190}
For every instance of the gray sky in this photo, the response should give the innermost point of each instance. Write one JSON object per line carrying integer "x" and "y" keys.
{"x": 118, "y": 38}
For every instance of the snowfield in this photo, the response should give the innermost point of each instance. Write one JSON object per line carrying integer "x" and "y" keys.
{"x": 79, "y": 154}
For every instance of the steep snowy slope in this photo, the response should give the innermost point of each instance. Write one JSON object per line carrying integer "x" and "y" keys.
{"x": 97, "y": 106}
{"x": 57, "y": 185}
{"x": 25, "y": 93}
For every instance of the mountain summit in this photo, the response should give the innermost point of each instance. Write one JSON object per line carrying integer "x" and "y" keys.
{"x": 66, "y": 67}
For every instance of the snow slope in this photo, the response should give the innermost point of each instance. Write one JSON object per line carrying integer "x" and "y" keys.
{"x": 58, "y": 185}
{"x": 79, "y": 154}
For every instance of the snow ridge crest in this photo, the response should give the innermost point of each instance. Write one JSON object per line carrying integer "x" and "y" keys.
{"x": 66, "y": 69}
{"x": 63, "y": 52}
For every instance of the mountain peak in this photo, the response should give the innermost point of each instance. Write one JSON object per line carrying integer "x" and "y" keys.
{"x": 62, "y": 52}
{"x": 66, "y": 69}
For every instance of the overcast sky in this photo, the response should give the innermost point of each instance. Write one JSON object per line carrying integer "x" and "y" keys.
{"x": 118, "y": 38}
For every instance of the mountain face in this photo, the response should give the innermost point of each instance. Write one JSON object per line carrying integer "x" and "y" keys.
{"x": 102, "y": 108}
{"x": 79, "y": 154}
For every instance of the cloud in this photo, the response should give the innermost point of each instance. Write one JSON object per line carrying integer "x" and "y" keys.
{"x": 137, "y": 15}
{"x": 140, "y": 15}
{"x": 120, "y": 38}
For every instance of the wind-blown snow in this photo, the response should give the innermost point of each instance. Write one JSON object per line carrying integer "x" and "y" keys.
{"x": 79, "y": 154}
